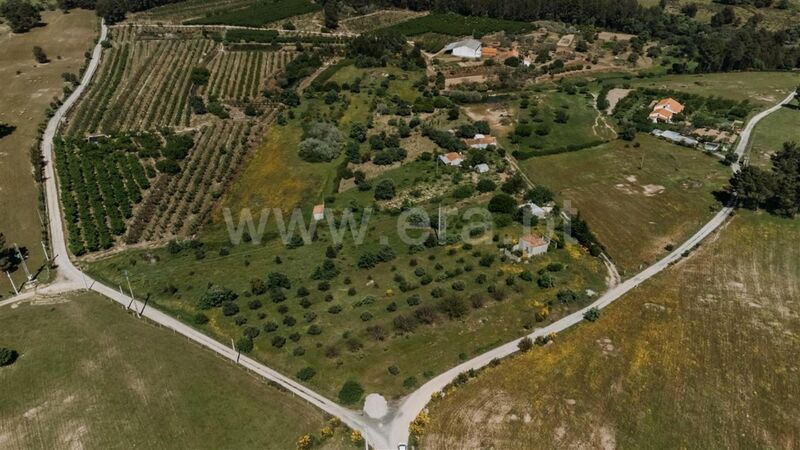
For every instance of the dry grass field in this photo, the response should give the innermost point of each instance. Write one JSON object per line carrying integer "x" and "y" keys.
{"x": 703, "y": 356}
{"x": 636, "y": 200}
{"x": 27, "y": 90}
{"x": 90, "y": 376}
{"x": 760, "y": 88}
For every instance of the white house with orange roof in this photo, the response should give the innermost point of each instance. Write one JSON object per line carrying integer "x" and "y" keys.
{"x": 319, "y": 212}
{"x": 451, "y": 159}
{"x": 532, "y": 245}
{"x": 665, "y": 109}
{"x": 481, "y": 141}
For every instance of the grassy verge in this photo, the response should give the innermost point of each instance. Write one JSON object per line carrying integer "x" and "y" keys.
{"x": 770, "y": 134}
{"x": 703, "y": 356}
{"x": 90, "y": 376}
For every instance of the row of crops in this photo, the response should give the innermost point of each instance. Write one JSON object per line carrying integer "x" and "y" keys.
{"x": 146, "y": 84}
{"x": 242, "y": 75}
{"x": 181, "y": 203}
{"x": 100, "y": 186}
{"x": 154, "y": 166}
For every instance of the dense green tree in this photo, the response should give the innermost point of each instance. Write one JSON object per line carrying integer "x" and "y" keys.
{"x": 21, "y": 15}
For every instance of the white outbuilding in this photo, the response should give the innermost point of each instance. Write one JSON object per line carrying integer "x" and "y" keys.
{"x": 468, "y": 48}
{"x": 482, "y": 168}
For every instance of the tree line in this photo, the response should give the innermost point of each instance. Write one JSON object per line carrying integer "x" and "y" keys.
{"x": 722, "y": 45}
{"x": 776, "y": 190}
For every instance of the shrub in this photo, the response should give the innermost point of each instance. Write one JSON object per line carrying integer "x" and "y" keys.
{"x": 486, "y": 185}
{"x": 592, "y": 315}
{"x": 216, "y": 296}
{"x": 257, "y": 286}
{"x": 230, "y": 309}
{"x": 502, "y": 203}
{"x": 525, "y": 344}
{"x": 200, "y": 319}
{"x": 254, "y": 304}
{"x": 270, "y": 326}
{"x": 7, "y": 356}
{"x": 454, "y": 307}
{"x": 251, "y": 332}
{"x": 394, "y": 370}
{"x": 350, "y": 393}
{"x": 278, "y": 341}
{"x": 385, "y": 190}
{"x": 314, "y": 330}
{"x": 306, "y": 373}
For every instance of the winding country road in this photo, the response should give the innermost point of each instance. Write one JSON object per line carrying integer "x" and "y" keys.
{"x": 385, "y": 433}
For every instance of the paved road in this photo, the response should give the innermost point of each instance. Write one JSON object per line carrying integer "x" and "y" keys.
{"x": 391, "y": 430}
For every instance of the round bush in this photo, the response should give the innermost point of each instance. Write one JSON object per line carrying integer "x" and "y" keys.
{"x": 350, "y": 393}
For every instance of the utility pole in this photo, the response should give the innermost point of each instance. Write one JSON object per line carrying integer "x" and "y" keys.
{"x": 129, "y": 286}
{"x": 47, "y": 259}
{"x": 16, "y": 292}
{"x": 24, "y": 264}
{"x": 146, "y": 299}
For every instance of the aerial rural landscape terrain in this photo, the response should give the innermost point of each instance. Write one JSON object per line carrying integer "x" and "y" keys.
{"x": 397, "y": 224}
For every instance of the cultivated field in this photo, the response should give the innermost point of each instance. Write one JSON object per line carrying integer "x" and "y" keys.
{"x": 190, "y": 9}
{"x": 91, "y": 376}
{"x": 457, "y": 25}
{"x": 378, "y": 19}
{"x": 770, "y": 134}
{"x": 703, "y": 356}
{"x": 28, "y": 89}
{"x": 637, "y": 200}
{"x": 383, "y": 313}
{"x": 145, "y": 87}
{"x": 257, "y": 14}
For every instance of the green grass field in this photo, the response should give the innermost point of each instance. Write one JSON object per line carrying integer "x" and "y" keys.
{"x": 703, "y": 356}
{"x": 635, "y": 211}
{"x": 584, "y": 125}
{"x": 92, "y": 376}
{"x": 28, "y": 89}
{"x": 770, "y": 134}
{"x": 760, "y": 88}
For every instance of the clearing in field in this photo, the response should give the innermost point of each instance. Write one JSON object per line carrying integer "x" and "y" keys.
{"x": 702, "y": 356}
{"x": 28, "y": 89}
{"x": 91, "y": 376}
{"x": 638, "y": 200}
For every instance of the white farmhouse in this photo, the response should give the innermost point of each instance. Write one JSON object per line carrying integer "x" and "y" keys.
{"x": 468, "y": 48}
{"x": 532, "y": 245}
{"x": 451, "y": 159}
